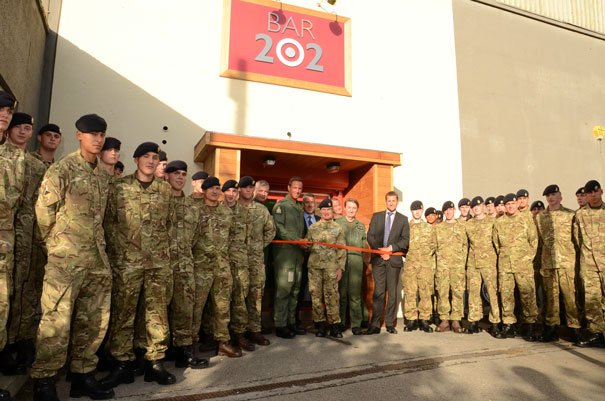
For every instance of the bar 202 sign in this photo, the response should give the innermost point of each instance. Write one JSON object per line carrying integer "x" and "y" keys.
{"x": 276, "y": 43}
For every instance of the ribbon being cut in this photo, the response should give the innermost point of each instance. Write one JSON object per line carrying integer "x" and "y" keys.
{"x": 347, "y": 247}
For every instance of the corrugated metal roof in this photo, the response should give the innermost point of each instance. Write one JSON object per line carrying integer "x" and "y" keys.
{"x": 587, "y": 14}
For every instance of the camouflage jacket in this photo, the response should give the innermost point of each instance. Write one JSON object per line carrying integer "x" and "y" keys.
{"x": 355, "y": 234}
{"x": 13, "y": 180}
{"x": 590, "y": 229}
{"x": 38, "y": 156}
{"x": 238, "y": 247}
{"x": 260, "y": 229}
{"x": 481, "y": 252}
{"x": 183, "y": 230}
{"x": 423, "y": 245}
{"x": 555, "y": 228}
{"x": 452, "y": 244}
{"x": 324, "y": 257}
{"x": 516, "y": 242}
{"x": 214, "y": 234}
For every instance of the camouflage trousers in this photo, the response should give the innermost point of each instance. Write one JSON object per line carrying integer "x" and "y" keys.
{"x": 287, "y": 263}
{"x": 241, "y": 286}
{"x": 23, "y": 291}
{"x": 594, "y": 297}
{"x": 150, "y": 285}
{"x": 75, "y": 302}
{"x": 418, "y": 284}
{"x": 7, "y": 241}
{"x": 254, "y": 300}
{"x": 349, "y": 288}
{"x": 560, "y": 281}
{"x": 213, "y": 281}
{"x": 324, "y": 288}
{"x": 474, "y": 278}
{"x": 523, "y": 279}
{"x": 182, "y": 303}
{"x": 446, "y": 281}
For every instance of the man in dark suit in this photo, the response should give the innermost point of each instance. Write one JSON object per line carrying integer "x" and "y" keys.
{"x": 389, "y": 231}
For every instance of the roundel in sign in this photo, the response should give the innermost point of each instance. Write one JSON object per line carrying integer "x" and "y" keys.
{"x": 290, "y": 52}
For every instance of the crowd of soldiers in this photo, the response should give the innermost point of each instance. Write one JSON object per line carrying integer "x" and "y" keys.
{"x": 128, "y": 271}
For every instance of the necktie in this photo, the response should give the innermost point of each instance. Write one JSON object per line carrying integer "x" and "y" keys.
{"x": 387, "y": 229}
{"x": 309, "y": 221}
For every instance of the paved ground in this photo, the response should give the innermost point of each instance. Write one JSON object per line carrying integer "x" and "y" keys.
{"x": 419, "y": 366}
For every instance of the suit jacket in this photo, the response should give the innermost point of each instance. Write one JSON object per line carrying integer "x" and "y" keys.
{"x": 305, "y": 229}
{"x": 399, "y": 237}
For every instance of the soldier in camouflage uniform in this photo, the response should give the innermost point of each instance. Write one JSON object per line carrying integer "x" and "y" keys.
{"x": 139, "y": 215}
{"x": 464, "y": 206}
{"x": 590, "y": 230}
{"x": 555, "y": 228}
{"x": 490, "y": 206}
{"x": 500, "y": 208}
{"x": 326, "y": 265}
{"x": 49, "y": 139}
{"x": 183, "y": 234}
{"x": 213, "y": 279}
{"x": 418, "y": 275}
{"x": 581, "y": 197}
{"x": 260, "y": 231}
{"x": 352, "y": 277}
{"x": 516, "y": 241}
{"x": 77, "y": 282}
{"x": 110, "y": 155}
{"x": 481, "y": 267}
{"x": 452, "y": 248}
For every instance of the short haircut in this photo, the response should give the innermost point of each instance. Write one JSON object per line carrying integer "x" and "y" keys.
{"x": 309, "y": 195}
{"x": 262, "y": 183}
{"x": 391, "y": 193}
{"x": 295, "y": 178}
{"x": 352, "y": 200}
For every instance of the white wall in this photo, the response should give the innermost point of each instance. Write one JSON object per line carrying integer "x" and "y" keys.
{"x": 144, "y": 64}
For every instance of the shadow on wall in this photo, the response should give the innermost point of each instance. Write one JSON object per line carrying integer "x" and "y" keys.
{"x": 82, "y": 85}
{"x": 238, "y": 91}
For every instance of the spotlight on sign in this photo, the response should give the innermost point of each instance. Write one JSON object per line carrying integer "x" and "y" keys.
{"x": 269, "y": 161}
{"x": 333, "y": 167}
{"x": 331, "y": 2}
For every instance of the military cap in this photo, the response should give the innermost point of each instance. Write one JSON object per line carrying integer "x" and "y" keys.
{"x": 326, "y": 203}
{"x": 163, "y": 156}
{"x": 210, "y": 182}
{"x": 416, "y": 205}
{"x": 7, "y": 100}
{"x": 551, "y": 189}
{"x": 592, "y": 186}
{"x": 50, "y": 128}
{"x": 490, "y": 200}
{"x": 175, "y": 165}
{"x": 477, "y": 200}
{"x": 119, "y": 166}
{"x": 200, "y": 175}
{"x": 21, "y": 118}
{"x": 91, "y": 123}
{"x": 246, "y": 181}
{"x": 228, "y": 184}
{"x": 429, "y": 211}
{"x": 522, "y": 193}
{"x": 499, "y": 200}
{"x": 581, "y": 190}
{"x": 510, "y": 198}
{"x": 111, "y": 143}
{"x": 447, "y": 205}
{"x": 439, "y": 214}
{"x": 464, "y": 202}
{"x": 146, "y": 147}
{"x": 537, "y": 205}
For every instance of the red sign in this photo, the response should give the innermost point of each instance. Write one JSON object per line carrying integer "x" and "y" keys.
{"x": 272, "y": 42}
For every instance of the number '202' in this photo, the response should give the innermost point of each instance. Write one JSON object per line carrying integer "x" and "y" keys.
{"x": 263, "y": 55}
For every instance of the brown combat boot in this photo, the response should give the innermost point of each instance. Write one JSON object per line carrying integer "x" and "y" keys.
{"x": 226, "y": 349}
{"x": 456, "y": 327}
{"x": 443, "y": 326}
{"x": 243, "y": 342}
{"x": 257, "y": 338}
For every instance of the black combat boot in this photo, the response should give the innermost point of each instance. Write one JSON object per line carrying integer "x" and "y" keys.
{"x": 425, "y": 326}
{"x": 284, "y": 332}
{"x": 121, "y": 373}
{"x": 529, "y": 332}
{"x": 549, "y": 334}
{"x": 335, "y": 331}
{"x": 156, "y": 372}
{"x": 184, "y": 358}
{"x": 494, "y": 330}
{"x": 411, "y": 325}
{"x": 85, "y": 384}
{"x": 321, "y": 329}
{"x": 139, "y": 362}
{"x": 45, "y": 390}
{"x": 592, "y": 340}
{"x": 473, "y": 328}
{"x": 508, "y": 331}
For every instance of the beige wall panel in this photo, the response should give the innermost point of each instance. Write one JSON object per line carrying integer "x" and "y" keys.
{"x": 530, "y": 94}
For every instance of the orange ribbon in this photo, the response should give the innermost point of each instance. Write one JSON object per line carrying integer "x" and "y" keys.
{"x": 347, "y": 247}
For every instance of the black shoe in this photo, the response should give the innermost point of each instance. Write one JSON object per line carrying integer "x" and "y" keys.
{"x": 494, "y": 330}
{"x": 372, "y": 330}
{"x": 391, "y": 330}
{"x": 139, "y": 363}
{"x": 549, "y": 334}
{"x": 425, "y": 326}
{"x": 284, "y": 332}
{"x": 410, "y": 325}
{"x": 473, "y": 328}
{"x": 85, "y": 384}
{"x": 593, "y": 340}
{"x": 8, "y": 366}
{"x": 321, "y": 329}
{"x": 156, "y": 372}
{"x": 122, "y": 373}
{"x": 335, "y": 331}
{"x": 365, "y": 324}
{"x": 5, "y": 395}
{"x": 45, "y": 390}
{"x": 576, "y": 335}
{"x": 508, "y": 331}
{"x": 357, "y": 331}
{"x": 297, "y": 329}
{"x": 184, "y": 358}
{"x": 529, "y": 332}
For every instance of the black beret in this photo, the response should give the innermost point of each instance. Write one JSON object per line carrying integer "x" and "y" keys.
{"x": 111, "y": 143}
{"x": 119, "y": 165}
{"x": 163, "y": 156}
{"x": 50, "y": 128}
{"x": 430, "y": 210}
{"x": 21, "y": 118}
{"x": 7, "y": 100}
{"x": 581, "y": 190}
{"x": 416, "y": 205}
{"x": 499, "y": 200}
{"x": 536, "y": 205}
{"x": 522, "y": 193}
{"x": 246, "y": 181}
{"x": 439, "y": 214}
{"x": 175, "y": 165}
{"x": 200, "y": 175}
{"x": 228, "y": 184}
{"x": 490, "y": 200}
{"x": 146, "y": 147}
{"x": 510, "y": 198}
{"x": 210, "y": 182}
{"x": 447, "y": 205}
{"x": 592, "y": 185}
{"x": 477, "y": 200}
{"x": 551, "y": 189}
{"x": 91, "y": 123}
{"x": 464, "y": 202}
{"x": 325, "y": 203}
